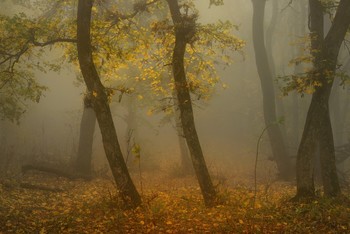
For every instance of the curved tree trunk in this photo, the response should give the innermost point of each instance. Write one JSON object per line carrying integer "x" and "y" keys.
{"x": 86, "y": 136}
{"x": 182, "y": 30}
{"x": 318, "y": 129}
{"x": 100, "y": 104}
{"x": 274, "y": 132}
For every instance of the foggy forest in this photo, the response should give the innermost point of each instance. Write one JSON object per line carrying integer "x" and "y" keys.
{"x": 174, "y": 116}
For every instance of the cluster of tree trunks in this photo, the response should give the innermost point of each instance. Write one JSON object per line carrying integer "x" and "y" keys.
{"x": 96, "y": 99}
{"x": 317, "y": 138}
{"x": 317, "y": 134}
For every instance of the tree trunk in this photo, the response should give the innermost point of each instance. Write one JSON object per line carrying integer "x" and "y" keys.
{"x": 269, "y": 50}
{"x": 329, "y": 174}
{"x": 309, "y": 143}
{"x": 318, "y": 129}
{"x": 274, "y": 132}
{"x": 186, "y": 166}
{"x": 100, "y": 104}
{"x": 87, "y": 128}
{"x": 183, "y": 30}
{"x": 131, "y": 134}
{"x": 337, "y": 123}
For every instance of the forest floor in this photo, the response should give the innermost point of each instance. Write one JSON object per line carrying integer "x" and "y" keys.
{"x": 170, "y": 205}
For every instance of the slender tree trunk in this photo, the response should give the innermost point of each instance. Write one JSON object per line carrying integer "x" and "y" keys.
{"x": 100, "y": 104}
{"x": 185, "y": 157}
{"x": 87, "y": 128}
{"x": 318, "y": 129}
{"x": 280, "y": 111}
{"x": 131, "y": 133}
{"x": 184, "y": 154}
{"x": 183, "y": 31}
{"x": 274, "y": 132}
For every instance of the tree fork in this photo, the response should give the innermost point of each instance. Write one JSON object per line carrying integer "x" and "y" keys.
{"x": 318, "y": 128}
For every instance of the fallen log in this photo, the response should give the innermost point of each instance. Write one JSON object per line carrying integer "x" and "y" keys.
{"x": 55, "y": 171}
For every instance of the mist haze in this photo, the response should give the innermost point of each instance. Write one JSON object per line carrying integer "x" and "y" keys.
{"x": 231, "y": 124}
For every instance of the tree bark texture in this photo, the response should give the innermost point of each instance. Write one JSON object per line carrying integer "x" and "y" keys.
{"x": 183, "y": 30}
{"x": 269, "y": 106}
{"x": 318, "y": 128}
{"x": 100, "y": 104}
{"x": 186, "y": 166}
{"x": 86, "y": 137}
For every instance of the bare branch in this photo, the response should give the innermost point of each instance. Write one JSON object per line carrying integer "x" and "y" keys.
{"x": 54, "y": 41}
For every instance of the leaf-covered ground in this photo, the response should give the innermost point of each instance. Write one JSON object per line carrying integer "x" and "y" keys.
{"x": 170, "y": 205}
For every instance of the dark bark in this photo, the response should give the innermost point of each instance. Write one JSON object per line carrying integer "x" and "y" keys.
{"x": 131, "y": 133}
{"x": 336, "y": 113}
{"x": 279, "y": 151}
{"x": 318, "y": 128}
{"x": 339, "y": 108}
{"x": 186, "y": 166}
{"x": 87, "y": 128}
{"x": 100, "y": 104}
{"x": 183, "y": 33}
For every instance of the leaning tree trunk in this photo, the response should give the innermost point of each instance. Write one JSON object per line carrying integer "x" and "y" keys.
{"x": 86, "y": 137}
{"x": 318, "y": 128}
{"x": 100, "y": 104}
{"x": 183, "y": 30}
{"x": 274, "y": 132}
{"x": 186, "y": 166}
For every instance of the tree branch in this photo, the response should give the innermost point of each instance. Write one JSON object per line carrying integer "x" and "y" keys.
{"x": 54, "y": 41}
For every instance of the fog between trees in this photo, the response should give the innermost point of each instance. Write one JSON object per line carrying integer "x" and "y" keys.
{"x": 210, "y": 116}
{"x": 228, "y": 124}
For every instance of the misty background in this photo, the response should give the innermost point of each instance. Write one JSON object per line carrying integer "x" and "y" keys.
{"x": 228, "y": 125}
